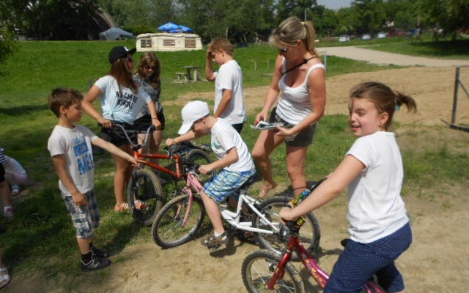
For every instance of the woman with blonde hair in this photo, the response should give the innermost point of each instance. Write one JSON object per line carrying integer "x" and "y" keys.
{"x": 299, "y": 79}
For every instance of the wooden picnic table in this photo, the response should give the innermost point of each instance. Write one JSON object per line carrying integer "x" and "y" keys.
{"x": 192, "y": 73}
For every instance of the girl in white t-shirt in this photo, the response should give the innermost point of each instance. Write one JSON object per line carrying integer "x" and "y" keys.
{"x": 373, "y": 171}
{"x": 121, "y": 101}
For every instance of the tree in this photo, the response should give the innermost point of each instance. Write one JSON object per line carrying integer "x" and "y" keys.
{"x": 56, "y": 19}
{"x": 324, "y": 21}
{"x": 232, "y": 19}
{"x": 299, "y": 8}
{"x": 7, "y": 36}
{"x": 450, "y": 15}
{"x": 369, "y": 15}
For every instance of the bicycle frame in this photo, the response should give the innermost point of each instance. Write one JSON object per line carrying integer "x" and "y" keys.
{"x": 138, "y": 155}
{"x": 178, "y": 174}
{"x": 308, "y": 261}
{"x": 233, "y": 218}
{"x": 191, "y": 182}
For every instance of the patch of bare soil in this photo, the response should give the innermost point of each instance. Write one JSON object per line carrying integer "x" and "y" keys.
{"x": 438, "y": 260}
{"x": 432, "y": 88}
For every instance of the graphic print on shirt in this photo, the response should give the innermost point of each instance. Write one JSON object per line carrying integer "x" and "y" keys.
{"x": 126, "y": 99}
{"x": 83, "y": 155}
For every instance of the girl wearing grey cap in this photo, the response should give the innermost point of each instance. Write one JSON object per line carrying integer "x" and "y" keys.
{"x": 121, "y": 101}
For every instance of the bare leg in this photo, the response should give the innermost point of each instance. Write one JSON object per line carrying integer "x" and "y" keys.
{"x": 213, "y": 212}
{"x": 265, "y": 145}
{"x": 121, "y": 177}
{"x": 5, "y": 193}
{"x": 84, "y": 245}
{"x": 296, "y": 157}
{"x": 155, "y": 143}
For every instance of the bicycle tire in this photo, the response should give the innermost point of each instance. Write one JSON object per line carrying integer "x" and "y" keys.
{"x": 310, "y": 233}
{"x": 200, "y": 158}
{"x": 144, "y": 186}
{"x": 259, "y": 266}
{"x": 167, "y": 231}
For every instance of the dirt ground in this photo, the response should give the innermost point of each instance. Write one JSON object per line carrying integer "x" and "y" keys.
{"x": 438, "y": 260}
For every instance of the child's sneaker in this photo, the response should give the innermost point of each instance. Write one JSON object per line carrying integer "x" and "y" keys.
{"x": 96, "y": 252}
{"x": 95, "y": 263}
{"x": 214, "y": 242}
{"x": 8, "y": 213}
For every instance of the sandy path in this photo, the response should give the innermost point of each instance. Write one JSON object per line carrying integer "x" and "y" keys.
{"x": 440, "y": 234}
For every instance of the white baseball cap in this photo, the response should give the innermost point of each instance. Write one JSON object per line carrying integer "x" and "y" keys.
{"x": 192, "y": 112}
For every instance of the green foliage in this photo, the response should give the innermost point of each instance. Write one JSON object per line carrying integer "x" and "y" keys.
{"x": 41, "y": 238}
{"x": 450, "y": 15}
{"x": 7, "y": 45}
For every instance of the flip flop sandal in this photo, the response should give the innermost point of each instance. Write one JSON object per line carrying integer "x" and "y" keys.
{"x": 122, "y": 207}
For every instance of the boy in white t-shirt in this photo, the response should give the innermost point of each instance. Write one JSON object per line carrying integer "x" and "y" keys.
{"x": 71, "y": 152}
{"x": 234, "y": 160}
{"x": 229, "y": 103}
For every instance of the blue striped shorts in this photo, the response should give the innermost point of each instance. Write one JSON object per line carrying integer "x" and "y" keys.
{"x": 226, "y": 183}
{"x": 85, "y": 218}
{"x": 359, "y": 262}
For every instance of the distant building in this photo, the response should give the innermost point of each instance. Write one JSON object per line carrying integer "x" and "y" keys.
{"x": 168, "y": 42}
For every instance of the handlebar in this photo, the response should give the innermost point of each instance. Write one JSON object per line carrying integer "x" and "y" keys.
{"x": 294, "y": 226}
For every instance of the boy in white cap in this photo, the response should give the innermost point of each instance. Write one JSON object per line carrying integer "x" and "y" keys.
{"x": 234, "y": 160}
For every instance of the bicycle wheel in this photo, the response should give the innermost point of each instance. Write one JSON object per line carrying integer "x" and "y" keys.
{"x": 310, "y": 233}
{"x": 145, "y": 196}
{"x": 259, "y": 266}
{"x": 200, "y": 158}
{"x": 168, "y": 229}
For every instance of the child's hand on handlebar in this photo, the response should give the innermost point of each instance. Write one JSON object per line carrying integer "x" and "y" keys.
{"x": 170, "y": 141}
{"x": 135, "y": 162}
{"x": 205, "y": 169}
{"x": 285, "y": 214}
{"x": 105, "y": 123}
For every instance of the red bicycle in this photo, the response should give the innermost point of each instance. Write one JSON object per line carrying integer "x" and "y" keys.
{"x": 146, "y": 194}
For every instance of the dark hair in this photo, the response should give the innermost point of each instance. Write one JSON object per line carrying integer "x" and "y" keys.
{"x": 291, "y": 30}
{"x": 122, "y": 75}
{"x": 384, "y": 99}
{"x": 149, "y": 59}
{"x": 221, "y": 44}
{"x": 63, "y": 97}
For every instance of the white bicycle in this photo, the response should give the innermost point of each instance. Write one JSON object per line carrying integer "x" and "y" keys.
{"x": 179, "y": 220}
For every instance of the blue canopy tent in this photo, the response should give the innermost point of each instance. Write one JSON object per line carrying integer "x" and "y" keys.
{"x": 182, "y": 29}
{"x": 167, "y": 27}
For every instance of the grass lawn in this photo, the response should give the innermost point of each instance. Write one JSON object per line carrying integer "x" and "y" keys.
{"x": 41, "y": 237}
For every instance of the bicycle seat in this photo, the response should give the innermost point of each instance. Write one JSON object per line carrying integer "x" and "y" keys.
{"x": 179, "y": 147}
{"x": 254, "y": 178}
